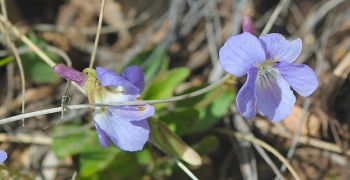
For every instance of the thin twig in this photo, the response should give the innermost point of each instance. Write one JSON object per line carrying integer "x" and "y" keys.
{"x": 33, "y": 47}
{"x": 116, "y": 104}
{"x": 17, "y": 57}
{"x": 74, "y": 175}
{"x": 252, "y": 139}
{"x": 297, "y": 134}
{"x": 274, "y": 16}
{"x": 241, "y": 126}
{"x": 185, "y": 169}
{"x": 313, "y": 142}
{"x": 60, "y": 53}
{"x": 27, "y": 41}
{"x": 99, "y": 26}
{"x": 53, "y": 49}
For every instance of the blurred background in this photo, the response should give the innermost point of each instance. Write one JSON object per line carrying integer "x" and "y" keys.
{"x": 176, "y": 42}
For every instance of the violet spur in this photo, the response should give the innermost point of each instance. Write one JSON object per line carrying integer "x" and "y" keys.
{"x": 268, "y": 63}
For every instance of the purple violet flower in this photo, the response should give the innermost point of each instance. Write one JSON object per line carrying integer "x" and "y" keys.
{"x": 3, "y": 156}
{"x": 268, "y": 62}
{"x": 127, "y": 127}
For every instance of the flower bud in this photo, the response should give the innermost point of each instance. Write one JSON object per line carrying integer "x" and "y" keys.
{"x": 247, "y": 24}
{"x": 70, "y": 74}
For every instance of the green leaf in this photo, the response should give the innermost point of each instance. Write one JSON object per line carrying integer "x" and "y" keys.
{"x": 200, "y": 113}
{"x": 167, "y": 141}
{"x": 124, "y": 166}
{"x": 95, "y": 161}
{"x": 40, "y": 72}
{"x": 158, "y": 62}
{"x": 35, "y": 68}
{"x": 182, "y": 121}
{"x": 144, "y": 157}
{"x": 6, "y": 60}
{"x": 207, "y": 145}
{"x": 165, "y": 83}
{"x": 153, "y": 62}
{"x": 212, "y": 113}
{"x": 73, "y": 140}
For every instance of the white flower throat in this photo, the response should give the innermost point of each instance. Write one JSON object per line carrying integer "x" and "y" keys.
{"x": 266, "y": 76}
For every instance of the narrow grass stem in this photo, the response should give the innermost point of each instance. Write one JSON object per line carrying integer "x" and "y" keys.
{"x": 99, "y": 26}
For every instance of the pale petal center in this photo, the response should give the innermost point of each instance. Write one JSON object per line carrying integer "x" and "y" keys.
{"x": 266, "y": 77}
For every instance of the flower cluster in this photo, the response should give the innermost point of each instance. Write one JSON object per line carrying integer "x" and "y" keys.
{"x": 268, "y": 63}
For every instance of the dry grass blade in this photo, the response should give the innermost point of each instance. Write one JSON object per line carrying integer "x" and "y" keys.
{"x": 274, "y": 16}
{"x": 98, "y": 33}
{"x": 242, "y": 127}
{"x": 261, "y": 143}
{"x": 16, "y": 54}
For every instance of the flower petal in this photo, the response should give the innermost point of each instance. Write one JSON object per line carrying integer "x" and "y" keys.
{"x": 110, "y": 78}
{"x": 102, "y": 137}
{"x": 3, "y": 156}
{"x": 280, "y": 49}
{"x": 135, "y": 75}
{"x": 132, "y": 113}
{"x": 300, "y": 77}
{"x": 240, "y": 53}
{"x": 127, "y": 135}
{"x": 274, "y": 98}
{"x": 246, "y": 96}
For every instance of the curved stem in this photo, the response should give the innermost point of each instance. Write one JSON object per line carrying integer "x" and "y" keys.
{"x": 252, "y": 139}
{"x": 126, "y": 103}
{"x": 19, "y": 63}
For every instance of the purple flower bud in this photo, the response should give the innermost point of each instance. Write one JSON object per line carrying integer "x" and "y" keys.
{"x": 247, "y": 24}
{"x": 70, "y": 74}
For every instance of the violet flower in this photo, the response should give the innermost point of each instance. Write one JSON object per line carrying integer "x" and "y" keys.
{"x": 125, "y": 126}
{"x": 3, "y": 156}
{"x": 268, "y": 62}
